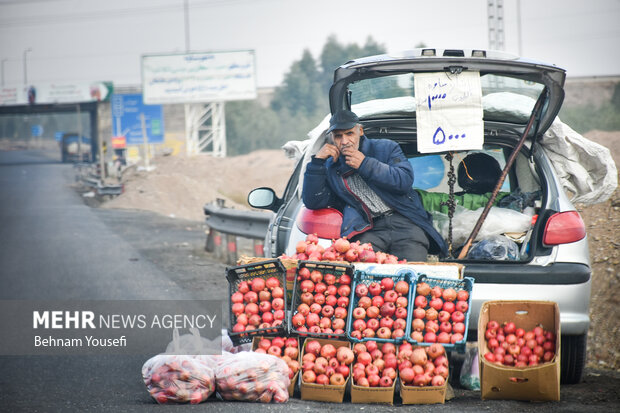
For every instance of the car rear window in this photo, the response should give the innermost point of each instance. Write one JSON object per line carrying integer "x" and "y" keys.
{"x": 504, "y": 98}
{"x": 431, "y": 171}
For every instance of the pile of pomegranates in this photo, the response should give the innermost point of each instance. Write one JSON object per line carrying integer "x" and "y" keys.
{"x": 321, "y": 301}
{"x": 510, "y": 345}
{"x": 258, "y": 304}
{"x": 178, "y": 379}
{"x": 375, "y": 364}
{"x": 286, "y": 348}
{"x": 422, "y": 366}
{"x": 439, "y": 315}
{"x": 325, "y": 363}
{"x": 340, "y": 249}
{"x": 381, "y": 309}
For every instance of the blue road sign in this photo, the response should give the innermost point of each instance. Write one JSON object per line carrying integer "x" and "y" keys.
{"x": 126, "y": 120}
{"x": 37, "y": 130}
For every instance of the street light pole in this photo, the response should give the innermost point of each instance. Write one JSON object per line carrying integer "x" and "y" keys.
{"x": 3, "y": 60}
{"x": 186, "y": 15}
{"x": 25, "y": 66}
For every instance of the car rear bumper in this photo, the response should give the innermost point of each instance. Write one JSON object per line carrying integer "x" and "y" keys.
{"x": 564, "y": 283}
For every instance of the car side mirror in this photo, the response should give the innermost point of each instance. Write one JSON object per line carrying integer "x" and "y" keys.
{"x": 264, "y": 198}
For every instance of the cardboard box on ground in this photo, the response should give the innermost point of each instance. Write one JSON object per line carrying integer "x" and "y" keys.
{"x": 535, "y": 383}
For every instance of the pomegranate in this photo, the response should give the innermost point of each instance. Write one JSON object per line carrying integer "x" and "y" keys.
{"x": 423, "y": 289}
{"x": 436, "y": 291}
{"x": 406, "y": 375}
{"x": 330, "y": 279}
{"x": 344, "y": 291}
{"x": 377, "y": 301}
{"x": 386, "y": 322}
{"x": 391, "y": 296}
{"x": 449, "y": 294}
{"x": 373, "y": 324}
{"x": 374, "y": 288}
{"x": 342, "y": 302}
{"x": 402, "y": 287}
{"x": 387, "y": 283}
{"x": 316, "y": 276}
{"x": 361, "y": 290}
{"x": 272, "y": 282}
{"x": 340, "y": 312}
{"x": 257, "y": 284}
{"x": 306, "y": 286}
{"x": 344, "y": 279}
{"x": 322, "y": 379}
{"x": 462, "y": 295}
{"x": 420, "y": 301}
{"x": 341, "y": 245}
{"x": 364, "y": 302}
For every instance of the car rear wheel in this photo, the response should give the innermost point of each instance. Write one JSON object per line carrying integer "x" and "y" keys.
{"x": 573, "y": 358}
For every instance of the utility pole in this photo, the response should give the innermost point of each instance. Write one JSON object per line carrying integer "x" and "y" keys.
{"x": 186, "y": 15}
{"x": 519, "y": 44}
{"x": 25, "y": 66}
{"x": 495, "y": 13}
{"x": 3, "y": 60}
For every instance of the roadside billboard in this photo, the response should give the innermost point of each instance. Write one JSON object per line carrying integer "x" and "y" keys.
{"x": 199, "y": 77}
{"x": 50, "y": 93}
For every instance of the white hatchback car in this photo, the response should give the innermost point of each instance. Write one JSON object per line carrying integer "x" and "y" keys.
{"x": 550, "y": 262}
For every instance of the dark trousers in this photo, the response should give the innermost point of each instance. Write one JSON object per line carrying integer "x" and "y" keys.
{"x": 397, "y": 235}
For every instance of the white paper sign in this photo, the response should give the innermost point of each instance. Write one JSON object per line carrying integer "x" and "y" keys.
{"x": 449, "y": 111}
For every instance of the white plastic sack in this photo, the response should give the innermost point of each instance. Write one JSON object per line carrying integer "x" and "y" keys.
{"x": 498, "y": 221}
{"x": 585, "y": 168}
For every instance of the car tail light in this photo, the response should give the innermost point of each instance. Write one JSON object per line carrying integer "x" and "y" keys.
{"x": 325, "y": 223}
{"x": 564, "y": 227}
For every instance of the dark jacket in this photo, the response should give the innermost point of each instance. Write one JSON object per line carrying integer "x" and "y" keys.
{"x": 387, "y": 171}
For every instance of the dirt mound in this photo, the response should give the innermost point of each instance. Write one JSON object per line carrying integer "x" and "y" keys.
{"x": 603, "y": 222}
{"x": 180, "y": 186}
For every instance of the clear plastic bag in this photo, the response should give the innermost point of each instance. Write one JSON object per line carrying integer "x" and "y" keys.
{"x": 179, "y": 379}
{"x": 470, "y": 374}
{"x": 250, "y": 376}
{"x": 498, "y": 221}
{"x": 192, "y": 344}
{"x": 495, "y": 248}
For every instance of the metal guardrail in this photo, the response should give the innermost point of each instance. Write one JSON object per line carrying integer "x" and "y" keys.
{"x": 234, "y": 223}
{"x": 85, "y": 174}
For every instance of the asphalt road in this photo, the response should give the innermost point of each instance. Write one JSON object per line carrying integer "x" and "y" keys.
{"x": 55, "y": 247}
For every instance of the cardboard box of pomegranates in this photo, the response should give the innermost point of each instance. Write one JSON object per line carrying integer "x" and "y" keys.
{"x": 286, "y": 348}
{"x": 423, "y": 373}
{"x": 519, "y": 350}
{"x": 326, "y": 370}
{"x": 374, "y": 373}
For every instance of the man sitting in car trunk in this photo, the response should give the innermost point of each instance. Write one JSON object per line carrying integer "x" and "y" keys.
{"x": 370, "y": 181}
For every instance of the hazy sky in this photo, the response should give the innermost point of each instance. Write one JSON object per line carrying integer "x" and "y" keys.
{"x": 99, "y": 40}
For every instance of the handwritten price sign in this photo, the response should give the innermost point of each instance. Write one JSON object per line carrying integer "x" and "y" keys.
{"x": 449, "y": 111}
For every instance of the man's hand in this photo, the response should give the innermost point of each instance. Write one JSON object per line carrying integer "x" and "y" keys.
{"x": 328, "y": 150}
{"x": 353, "y": 157}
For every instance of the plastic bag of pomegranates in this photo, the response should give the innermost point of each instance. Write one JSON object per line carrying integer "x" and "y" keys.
{"x": 179, "y": 379}
{"x": 250, "y": 376}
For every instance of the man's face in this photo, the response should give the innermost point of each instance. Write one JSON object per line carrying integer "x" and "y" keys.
{"x": 347, "y": 137}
